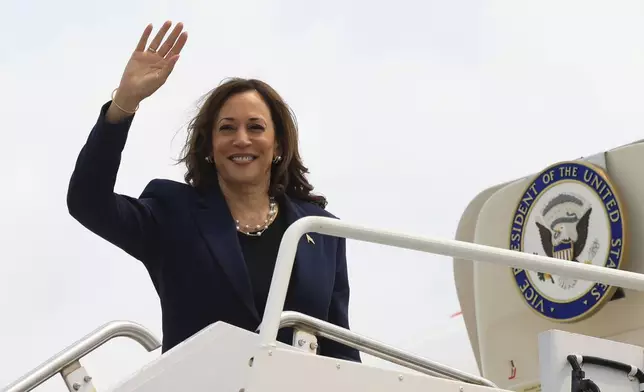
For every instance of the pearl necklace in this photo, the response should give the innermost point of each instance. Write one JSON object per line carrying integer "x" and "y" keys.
{"x": 260, "y": 229}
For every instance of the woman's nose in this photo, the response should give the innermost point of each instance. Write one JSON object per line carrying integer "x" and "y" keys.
{"x": 241, "y": 138}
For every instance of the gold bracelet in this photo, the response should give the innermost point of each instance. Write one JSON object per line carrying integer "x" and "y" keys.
{"x": 117, "y": 105}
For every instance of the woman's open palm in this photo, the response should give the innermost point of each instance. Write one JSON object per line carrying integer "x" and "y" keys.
{"x": 148, "y": 69}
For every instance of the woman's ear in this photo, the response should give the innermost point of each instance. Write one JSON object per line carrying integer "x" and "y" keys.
{"x": 277, "y": 151}
{"x": 277, "y": 155}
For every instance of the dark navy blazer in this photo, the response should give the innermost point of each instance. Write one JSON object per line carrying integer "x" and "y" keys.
{"x": 188, "y": 242}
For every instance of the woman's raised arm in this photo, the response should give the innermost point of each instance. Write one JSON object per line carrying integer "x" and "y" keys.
{"x": 125, "y": 221}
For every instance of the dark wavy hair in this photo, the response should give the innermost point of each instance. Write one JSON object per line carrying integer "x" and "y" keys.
{"x": 287, "y": 176}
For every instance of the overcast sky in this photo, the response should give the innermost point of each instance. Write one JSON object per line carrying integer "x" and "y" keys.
{"x": 407, "y": 110}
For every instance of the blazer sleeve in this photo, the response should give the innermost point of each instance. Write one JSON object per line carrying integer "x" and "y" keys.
{"x": 339, "y": 309}
{"x": 126, "y": 222}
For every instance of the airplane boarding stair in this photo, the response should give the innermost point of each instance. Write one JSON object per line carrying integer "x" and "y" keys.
{"x": 223, "y": 357}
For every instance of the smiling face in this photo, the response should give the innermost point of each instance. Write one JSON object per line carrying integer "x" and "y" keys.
{"x": 243, "y": 140}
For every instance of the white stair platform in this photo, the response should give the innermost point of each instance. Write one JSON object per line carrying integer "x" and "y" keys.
{"x": 223, "y": 357}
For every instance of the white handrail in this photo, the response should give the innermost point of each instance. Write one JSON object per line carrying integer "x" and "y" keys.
{"x": 378, "y": 349}
{"x": 447, "y": 247}
{"x": 82, "y": 347}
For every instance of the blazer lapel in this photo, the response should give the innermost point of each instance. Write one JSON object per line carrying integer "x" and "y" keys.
{"x": 218, "y": 229}
{"x": 305, "y": 258}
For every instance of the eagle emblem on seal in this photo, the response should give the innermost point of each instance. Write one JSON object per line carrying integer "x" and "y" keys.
{"x": 564, "y": 228}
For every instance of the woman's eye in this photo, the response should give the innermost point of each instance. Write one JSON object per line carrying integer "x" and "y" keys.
{"x": 256, "y": 127}
{"x": 226, "y": 128}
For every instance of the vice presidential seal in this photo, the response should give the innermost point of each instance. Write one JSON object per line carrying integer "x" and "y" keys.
{"x": 570, "y": 211}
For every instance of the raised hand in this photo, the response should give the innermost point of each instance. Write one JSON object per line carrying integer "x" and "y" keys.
{"x": 148, "y": 69}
